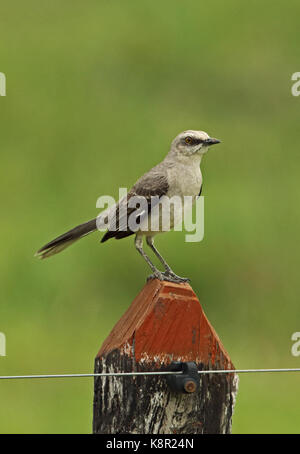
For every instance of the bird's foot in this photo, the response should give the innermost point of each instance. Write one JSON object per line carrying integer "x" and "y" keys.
{"x": 172, "y": 277}
{"x": 156, "y": 275}
{"x": 168, "y": 276}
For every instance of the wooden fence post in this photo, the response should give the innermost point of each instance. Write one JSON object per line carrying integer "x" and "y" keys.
{"x": 164, "y": 323}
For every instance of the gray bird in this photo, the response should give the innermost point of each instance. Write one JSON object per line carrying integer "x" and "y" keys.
{"x": 178, "y": 175}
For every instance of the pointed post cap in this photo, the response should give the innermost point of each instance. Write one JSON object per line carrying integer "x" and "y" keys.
{"x": 166, "y": 323}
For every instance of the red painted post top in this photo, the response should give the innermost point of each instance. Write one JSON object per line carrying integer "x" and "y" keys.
{"x": 166, "y": 323}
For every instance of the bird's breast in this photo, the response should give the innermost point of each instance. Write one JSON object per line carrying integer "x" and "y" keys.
{"x": 185, "y": 181}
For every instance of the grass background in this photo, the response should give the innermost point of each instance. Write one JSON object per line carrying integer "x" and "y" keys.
{"x": 95, "y": 93}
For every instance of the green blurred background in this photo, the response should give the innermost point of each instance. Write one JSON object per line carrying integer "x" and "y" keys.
{"x": 96, "y": 91}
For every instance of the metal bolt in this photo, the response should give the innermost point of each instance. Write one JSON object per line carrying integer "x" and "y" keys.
{"x": 190, "y": 386}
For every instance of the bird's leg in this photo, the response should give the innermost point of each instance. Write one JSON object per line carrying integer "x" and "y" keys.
{"x": 150, "y": 243}
{"x": 139, "y": 246}
{"x": 169, "y": 273}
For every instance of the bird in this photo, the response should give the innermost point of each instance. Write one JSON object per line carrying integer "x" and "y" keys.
{"x": 177, "y": 175}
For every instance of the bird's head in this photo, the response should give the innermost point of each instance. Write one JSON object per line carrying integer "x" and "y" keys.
{"x": 191, "y": 143}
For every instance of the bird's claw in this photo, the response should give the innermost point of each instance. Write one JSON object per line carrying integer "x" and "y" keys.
{"x": 172, "y": 277}
{"x": 157, "y": 275}
{"x": 167, "y": 276}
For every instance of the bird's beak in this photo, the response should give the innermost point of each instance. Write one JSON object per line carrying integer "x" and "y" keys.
{"x": 211, "y": 141}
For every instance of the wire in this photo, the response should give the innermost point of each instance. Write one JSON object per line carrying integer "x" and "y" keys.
{"x": 128, "y": 374}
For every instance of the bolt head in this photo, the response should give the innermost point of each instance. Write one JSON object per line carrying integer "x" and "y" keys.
{"x": 190, "y": 386}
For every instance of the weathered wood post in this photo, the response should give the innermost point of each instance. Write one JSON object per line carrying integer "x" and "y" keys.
{"x": 164, "y": 323}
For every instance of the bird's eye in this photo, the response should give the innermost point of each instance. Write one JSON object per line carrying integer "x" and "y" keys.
{"x": 188, "y": 140}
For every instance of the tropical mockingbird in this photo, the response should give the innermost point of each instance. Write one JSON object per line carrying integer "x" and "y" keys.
{"x": 178, "y": 175}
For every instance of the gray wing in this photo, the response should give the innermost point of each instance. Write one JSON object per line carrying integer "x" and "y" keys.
{"x": 150, "y": 187}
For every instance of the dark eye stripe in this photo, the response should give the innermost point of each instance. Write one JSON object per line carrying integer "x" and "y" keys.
{"x": 193, "y": 141}
{"x": 197, "y": 141}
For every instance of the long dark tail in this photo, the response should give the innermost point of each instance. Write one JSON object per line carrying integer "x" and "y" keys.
{"x": 63, "y": 241}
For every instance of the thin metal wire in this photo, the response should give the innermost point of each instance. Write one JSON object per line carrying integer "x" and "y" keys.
{"x": 128, "y": 374}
